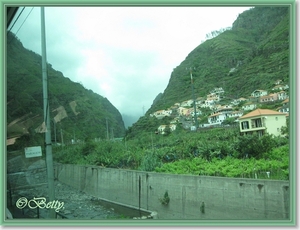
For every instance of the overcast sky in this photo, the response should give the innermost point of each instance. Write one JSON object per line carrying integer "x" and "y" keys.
{"x": 125, "y": 54}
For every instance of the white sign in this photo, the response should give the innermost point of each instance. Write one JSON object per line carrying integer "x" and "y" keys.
{"x": 35, "y": 151}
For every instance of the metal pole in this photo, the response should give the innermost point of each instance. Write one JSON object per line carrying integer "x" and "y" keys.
{"x": 54, "y": 131}
{"x": 195, "y": 112}
{"x": 62, "y": 138}
{"x": 49, "y": 159}
{"x": 107, "y": 135}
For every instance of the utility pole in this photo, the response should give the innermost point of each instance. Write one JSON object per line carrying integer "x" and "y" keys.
{"x": 54, "y": 124}
{"x": 112, "y": 133}
{"x": 49, "y": 158}
{"x": 107, "y": 135}
{"x": 62, "y": 138}
{"x": 195, "y": 112}
{"x": 152, "y": 142}
{"x": 74, "y": 140}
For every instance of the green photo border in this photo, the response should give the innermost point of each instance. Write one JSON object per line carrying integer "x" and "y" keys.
{"x": 154, "y": 223}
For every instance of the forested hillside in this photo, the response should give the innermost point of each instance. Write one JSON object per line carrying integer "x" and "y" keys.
{"x": 251, "y": 55}
{"x": 76, "y": 112}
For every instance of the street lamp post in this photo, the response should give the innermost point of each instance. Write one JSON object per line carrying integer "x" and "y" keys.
{"x": 195, "y": 112}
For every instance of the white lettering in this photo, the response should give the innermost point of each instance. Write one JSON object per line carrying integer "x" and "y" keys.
{"x": 39, "y": 202}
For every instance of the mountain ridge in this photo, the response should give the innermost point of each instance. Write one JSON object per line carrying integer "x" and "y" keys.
{"x": 83, "y": 113}
{"x": 250, "y": 56}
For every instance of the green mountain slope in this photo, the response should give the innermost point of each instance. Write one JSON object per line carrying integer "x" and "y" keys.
{"x": 251, "y": 55}
{"x": 79, "y": 113}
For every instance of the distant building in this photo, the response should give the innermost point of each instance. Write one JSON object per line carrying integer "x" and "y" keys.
{"x": 280, "y": 87}
{"x": 241, "y": 99}
{"x": 285, "y": 106}
{"x": 268, "y": 98}
{"x": 213, "y": 96}
{"x": 208, "y": 103}
{"x": 183, "y": 111}
{"x": 216, "y": 118}
{"x": 161, "y": 129}
{"x": 249, "y": 106}
{"x": 262, "y": 121}
{"x": 222, "y": 113}
{"x": 219, "y": 90}
{"x": 259, "y": 93}
{"x": 162, "y": 113}
{"x": 282, "y": 95}
{"x": 187, "y": 103}
{"x": 277, "y": 82}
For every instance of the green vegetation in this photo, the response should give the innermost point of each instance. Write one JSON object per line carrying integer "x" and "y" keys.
{"x": 202, "y": 208}
{"x": 210, "y": 152}
{"x": 256, "y": 48}
{"x": 166, "y": 199}
{"x": 86, "y": 114}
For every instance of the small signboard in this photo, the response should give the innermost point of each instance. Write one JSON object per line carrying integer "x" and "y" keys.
{"x": 35, "y": 151}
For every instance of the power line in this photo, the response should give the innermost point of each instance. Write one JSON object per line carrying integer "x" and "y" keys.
{"x": 22, "y": 22}
{"x": 17, "y": 19}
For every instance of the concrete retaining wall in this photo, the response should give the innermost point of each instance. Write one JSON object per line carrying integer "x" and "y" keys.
{"x": 191, "y": 197}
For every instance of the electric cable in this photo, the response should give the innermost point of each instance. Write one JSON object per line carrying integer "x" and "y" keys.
{"x": 16, "y": 19}
{"x": 22, "y": 22}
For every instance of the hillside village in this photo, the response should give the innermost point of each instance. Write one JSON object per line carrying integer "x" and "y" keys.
{"x": 210, "y": 111}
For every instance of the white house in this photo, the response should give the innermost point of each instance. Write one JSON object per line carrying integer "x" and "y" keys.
{"x": 161, "y": 129}
{"x": 198, "y": 112}
{"x": 236, "y": 114}
{"x": 268, "y": 98}
{"x": 208, "y": 104}
{"x": 213, "y": 96}
{"x": 237, "y": 101}
{"x": 280, "y": 87}
{"x": 285, "y": 106}
{"x": 249, "y": 106}
{"x": 259, "y": 93}
{"x": 162, "y": 113}
{"x": 187, "y": 103}
{"x": 262, "y": 121}
{"x": 217, "y": 90}
{"x": 224, "y": 108}
{"x": 282, "y": 95}
{"x": 242, "y": 99}
{"x": 278, "y": 82}
{"x": 216, "y": 118}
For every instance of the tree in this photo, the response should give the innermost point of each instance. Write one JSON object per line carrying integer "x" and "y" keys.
{"x": 228, "y": 121}
{"x": 254, "y": 146}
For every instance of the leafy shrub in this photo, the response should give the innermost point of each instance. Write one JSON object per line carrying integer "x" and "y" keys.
{"x": 214, "y": 152}
{"x": 254, "y": 146}
{"x": 150, "y": 161}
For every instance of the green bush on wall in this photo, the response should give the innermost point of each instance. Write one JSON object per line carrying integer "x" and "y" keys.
{"x": 166, "y": 199}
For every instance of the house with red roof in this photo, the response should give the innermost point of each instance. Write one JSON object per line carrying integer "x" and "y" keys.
{"x": 262, "y": 121}
{"x": 268, "y": 98}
